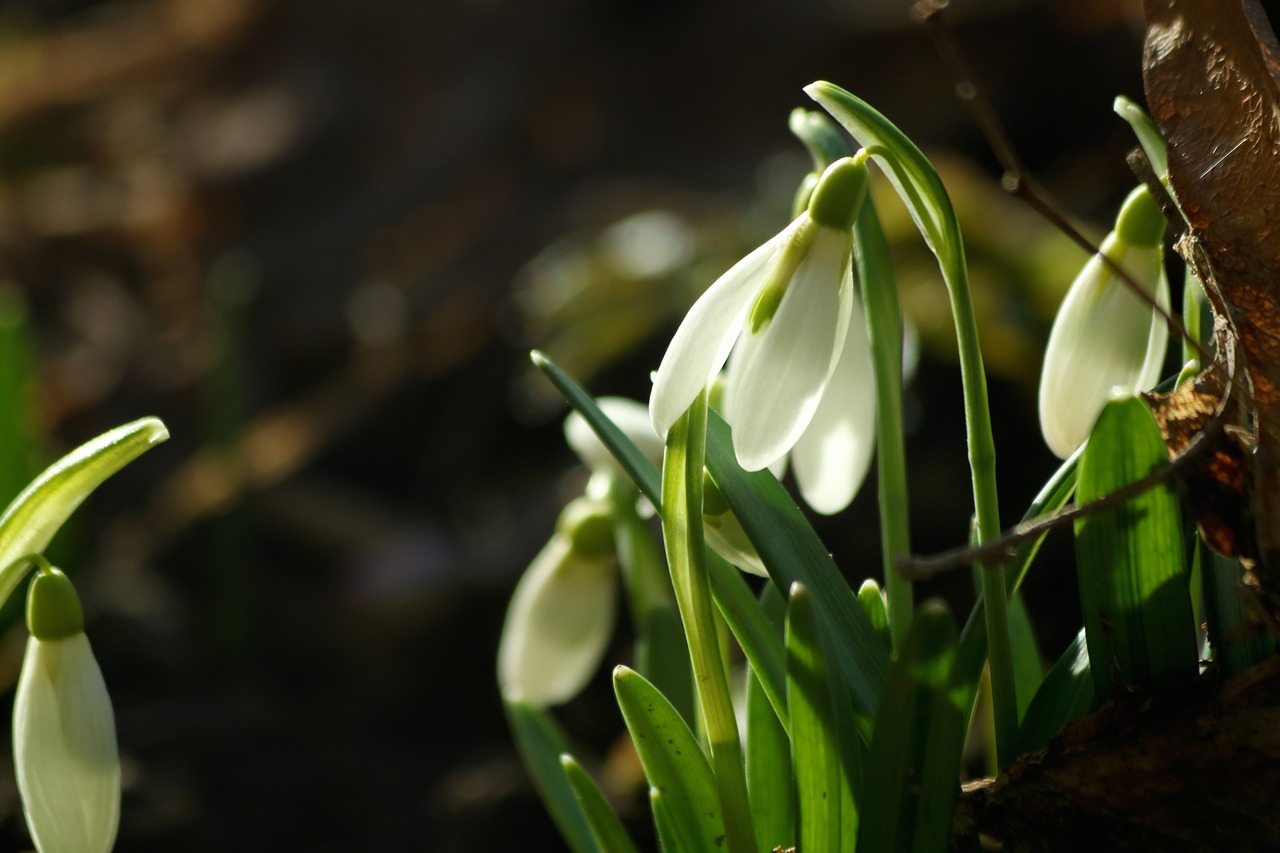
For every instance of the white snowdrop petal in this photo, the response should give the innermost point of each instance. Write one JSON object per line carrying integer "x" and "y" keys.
{"x": 832, "y": 456}
{"x": 727, "y": 538}
{"x": 780, "y": 384}
{"x": 630, "y": 417}
{"x": 557, "y": 627}
{"x": 64, "y": 746}
{"x": 702, "y": 343}
{"x": 1102, "y": 339}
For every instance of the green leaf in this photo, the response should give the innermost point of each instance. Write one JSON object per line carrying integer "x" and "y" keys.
{"x": 34, "y": 516}
{"x": 1149, "y": 137}
{"x": 926, "y": 199}
{"x": 769, "y": 785}
{"x": 914, "y": 762}
{"x": 674, "y": 765}
{"x": 1028, "y": 670}
{"x": 792, "y": 552}
{"x": 1139, "y": 625}
{"x": 606, "y": 829}
{"x": 827, "y": 811}
{"x": 1238, "y": 642}
{"x": 541, "y": 743}
{"x": 1065, "y": 695}
{"x": 743, "y": 618}
{"x": 973, "y": 639}
{"x": 759, "y": 642}
{"x": 661, "y": 654}
{"x": 639, "y": 468}
{"x": 682, "y": 533}
{"x": 871, "y": 597}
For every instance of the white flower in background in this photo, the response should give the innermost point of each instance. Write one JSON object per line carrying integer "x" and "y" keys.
{"x": 791, "y": 310}
{"x": 64, "y": 737}
{"x": 562, "y": 614}
{"x": 1105, "y": 337}
{"x": 627, "y": 415}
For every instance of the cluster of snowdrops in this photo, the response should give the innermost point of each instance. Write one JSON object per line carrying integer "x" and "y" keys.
{"x": 804, "y": 712}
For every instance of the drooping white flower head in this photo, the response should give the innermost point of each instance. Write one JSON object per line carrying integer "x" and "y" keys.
{"x": 1105, "y": 337}
{"x": 789, "y": 300}
{"x": 787, "y": 311}
{"x": 64, "y": 736}
{"x": 562, "y": 613}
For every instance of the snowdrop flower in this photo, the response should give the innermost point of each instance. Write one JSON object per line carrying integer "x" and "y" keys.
{"x": 801, "y": 373}
{"x": 630, "y": 417}
{"x": 1105, "y": 337}
{"x": 562, "y": 614}
{"x": 64, "y": 737}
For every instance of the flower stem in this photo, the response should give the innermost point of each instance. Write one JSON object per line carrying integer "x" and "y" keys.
{"x": 921, "y": 189}
{"x": 682, "y": 467}
{"x": 884, "y": 326}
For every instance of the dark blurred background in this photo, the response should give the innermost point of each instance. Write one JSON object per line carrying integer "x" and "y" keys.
{"x": 318, "y": 240}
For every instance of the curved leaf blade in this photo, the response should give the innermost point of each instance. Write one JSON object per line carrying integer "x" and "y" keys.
{"x": 34, "y": 516}
{"x": 673, "y": 763}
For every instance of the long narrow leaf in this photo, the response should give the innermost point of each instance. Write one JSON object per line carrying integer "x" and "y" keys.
{"x": 750, "y": 627}
{"x": 682, "y": 533}
{"x": 792, "y": 552}
{"x": 674, "y": 765}
{"x": 908, "y": 788}
{"x": 821, "y": 786}
{"x": 1027, "y": 668}
{"x": 769, "y": 785}
{"x": 1238, "y": 642}
{"x": 1066, "y": 694}
{"x": 606, "y": 829}
{"x": 973, "y": 639}
{"x": 1139, "y": 625}
{"x": 541, "y": 743}
{"x": 34, "y": 516}
{"x": 640, "y": 469}
{"x": 926, "y": 199}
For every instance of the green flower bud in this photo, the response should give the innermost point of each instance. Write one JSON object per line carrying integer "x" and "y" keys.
{"x": 53, "y": 608}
